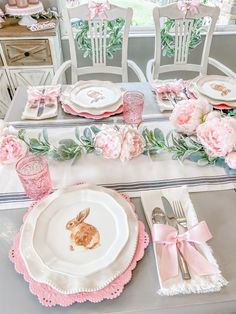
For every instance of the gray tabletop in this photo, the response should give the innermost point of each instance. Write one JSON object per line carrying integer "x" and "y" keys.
{"x": 20, "y": 98}
{"x": 139, "y": 296}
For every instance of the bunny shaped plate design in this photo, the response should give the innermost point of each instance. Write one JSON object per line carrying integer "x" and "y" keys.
{"x": 83, "y": 234}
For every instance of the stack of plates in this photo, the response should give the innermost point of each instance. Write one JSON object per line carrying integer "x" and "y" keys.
{"x": 92, "y": 99}
{"x": 79, "y": 239}
{"x": 219, "y": 91}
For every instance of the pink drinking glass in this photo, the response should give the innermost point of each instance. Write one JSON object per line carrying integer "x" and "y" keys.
{"x": 34, "y": 175}
{"x": 133, "y": 103}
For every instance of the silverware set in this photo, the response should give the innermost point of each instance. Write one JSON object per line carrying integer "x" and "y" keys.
{"x": 173, "y": 98}
{"x": 174, "y": 216}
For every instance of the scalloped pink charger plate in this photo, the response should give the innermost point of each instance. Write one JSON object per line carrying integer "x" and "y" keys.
{"x": 87, "y": 115}
{"x": 48, "y": 296}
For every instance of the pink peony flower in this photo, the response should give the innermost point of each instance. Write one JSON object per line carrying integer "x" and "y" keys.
{"x": 109, "y": 141}
{"x": 218, "y": 136}
{"x": 11, "y": 149}
{"x": 230, "y": 159}
{"x": 125, "y": 143}
{"x": 133, "y": 143}
{"x": 213, "y": 115}
{"x": 189, "y": 114}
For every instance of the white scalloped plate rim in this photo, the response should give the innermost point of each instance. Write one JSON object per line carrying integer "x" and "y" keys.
{"x": 77, "y": 88}
{"x": 42, "y": 271}
{"x": 193, "y": 89}
{"x": 199, "y": 83}
{"x": 66, "y": 99}
{"x": 121, "y": 236}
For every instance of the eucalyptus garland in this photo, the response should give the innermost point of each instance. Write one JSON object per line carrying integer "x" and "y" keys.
{"x": 180, "y": 146}
{"x": 168, "y": 39}
{"x": 114, "y": 37}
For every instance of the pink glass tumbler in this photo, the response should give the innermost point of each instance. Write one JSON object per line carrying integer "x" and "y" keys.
{"x": 34, "y": 175}
{"x": 133, "y": 103}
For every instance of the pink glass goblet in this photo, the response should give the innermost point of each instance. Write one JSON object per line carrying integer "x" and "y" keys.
{"x": 34, "y": 175}
{"x": 133, "y": 103}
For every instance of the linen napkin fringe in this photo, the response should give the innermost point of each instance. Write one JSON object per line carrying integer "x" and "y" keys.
{"x": 197, "y": 286}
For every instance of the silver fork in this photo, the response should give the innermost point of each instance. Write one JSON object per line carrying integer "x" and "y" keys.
{"x": 180, "y": 214}
{"x": 182, "y": 222}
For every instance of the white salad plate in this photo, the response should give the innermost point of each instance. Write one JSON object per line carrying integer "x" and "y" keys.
{"x": 193, "y": 89}
{"x": 75, "y": 250}
{"x": 217, "y": 87}
{"x": 95, "y": 94}
{"x": 66, "y": 99}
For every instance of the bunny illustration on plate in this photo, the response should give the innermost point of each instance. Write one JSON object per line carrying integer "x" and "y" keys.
{"x": 83, "y": 234}
{"x": 95, "y": 95}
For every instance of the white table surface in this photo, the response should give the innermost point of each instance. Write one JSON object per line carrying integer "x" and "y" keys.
{"x": 139, "y": 296}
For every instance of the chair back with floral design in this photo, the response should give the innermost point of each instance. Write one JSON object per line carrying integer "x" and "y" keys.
{"x": 185, "y": 19}
{"x": 99, "y": 30}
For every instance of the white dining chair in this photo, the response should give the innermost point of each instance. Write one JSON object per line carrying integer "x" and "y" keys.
{"x": 182, "y": 31}
{"x": 97, "y": 32}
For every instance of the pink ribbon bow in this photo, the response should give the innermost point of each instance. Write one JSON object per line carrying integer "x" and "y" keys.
{"x": 175, "y": 87}
{"x": 50, "y": 94}
{"x": 188, "y": 5}
{"x": 98, "y": 9}
{"x": 170, "y": 240}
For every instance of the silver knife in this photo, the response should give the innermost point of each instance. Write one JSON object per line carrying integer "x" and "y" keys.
{"x": 41, "y": 106}
{"x": 173, "y": 222}
{"x": 158, "y": 216}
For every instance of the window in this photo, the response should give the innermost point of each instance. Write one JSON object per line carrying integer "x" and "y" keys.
{"x": 143, "y": 20}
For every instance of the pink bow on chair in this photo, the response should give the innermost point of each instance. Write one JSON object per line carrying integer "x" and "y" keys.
{"x": 188, "y": 5}
{"x": 170, "y": 240}
{"x": 98, "y": 9}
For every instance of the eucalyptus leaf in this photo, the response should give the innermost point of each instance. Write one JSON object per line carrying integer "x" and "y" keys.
{"x": 203, "y": 162}
{"x": 21, "y": 134}
{"x": 34, "y": 142}
{"x": 195, "y": 156}
{"x": 88, "y": 134}
{"x": 45, "y": 135}
{"x": 159, "y": 135}
{"x": 95, "y": 129}
{"x": 68, "y": 142}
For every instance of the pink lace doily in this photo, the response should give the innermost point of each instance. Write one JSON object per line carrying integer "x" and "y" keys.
{"x": 47, "y": 296}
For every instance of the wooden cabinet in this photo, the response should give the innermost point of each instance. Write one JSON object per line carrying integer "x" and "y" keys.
{"x": 5, "y": 97}
{"x": 1, "y": 63}
{"x": 26, "y": 58}
{"x": 31, "y": 77}
{"x": 27, "y": 52}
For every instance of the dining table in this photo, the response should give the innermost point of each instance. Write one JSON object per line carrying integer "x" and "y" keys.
{"x": 213, "y": 197}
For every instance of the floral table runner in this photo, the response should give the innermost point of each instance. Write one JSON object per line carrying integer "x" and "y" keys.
{"x": 139, "y": 174}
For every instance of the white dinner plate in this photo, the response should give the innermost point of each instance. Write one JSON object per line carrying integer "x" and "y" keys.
{"x": 46, "y": 239}
{"x": 193, "y": 88}
{"x": 66, "y": 99}
{"x": 217, "y": 87}
{"x": 100, "y": 236}
{"x": 95, "y": 94}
